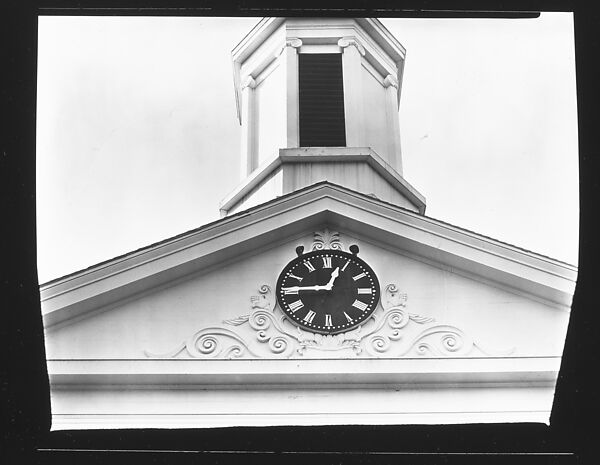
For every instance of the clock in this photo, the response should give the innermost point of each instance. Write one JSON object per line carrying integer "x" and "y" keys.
{"x": 328, "y": 291}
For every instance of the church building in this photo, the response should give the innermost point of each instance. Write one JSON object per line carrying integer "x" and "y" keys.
{"x": 324, "y": 295}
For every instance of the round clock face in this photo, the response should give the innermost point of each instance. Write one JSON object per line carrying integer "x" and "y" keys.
{"x": 328, "y": 291}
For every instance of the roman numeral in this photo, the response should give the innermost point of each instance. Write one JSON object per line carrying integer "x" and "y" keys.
{"x": 328, "y": 320}
{"x": 350, "y": 320}
{"x": 309, "y": 316}
{"x": 365, "y": 290}
{"x": 360, "y": 305}
{"x": 295, "y": 306}
{"x": 358, "y": 276}
{"x": 326, "y": 262}
{"x": 291, "y": 291}
{"x": 309, "y": 266}
{"x": 345, "y": 265}
{"x": 292, "y": 275}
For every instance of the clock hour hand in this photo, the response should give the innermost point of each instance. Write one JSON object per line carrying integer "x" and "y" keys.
{"x": 334, "y": 274}
{"x": 317, "y": 287}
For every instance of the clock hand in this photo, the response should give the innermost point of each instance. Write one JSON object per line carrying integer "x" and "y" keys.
{"x": 304, "y": 288}
{"x": 334, "y": 274}
{"x": 327, "y": 287}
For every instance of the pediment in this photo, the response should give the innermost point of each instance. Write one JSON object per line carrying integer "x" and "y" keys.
{"x": 230, "y": 311}
{"x": 193, "y": 321}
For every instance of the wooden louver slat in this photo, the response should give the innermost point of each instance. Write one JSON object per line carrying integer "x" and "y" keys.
{"x": 321, "y": 100}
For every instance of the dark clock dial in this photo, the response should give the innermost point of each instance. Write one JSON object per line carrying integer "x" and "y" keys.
{"x": 328, "y": 291}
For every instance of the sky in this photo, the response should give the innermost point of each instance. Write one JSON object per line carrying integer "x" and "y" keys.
{"x": 138, "y": 140}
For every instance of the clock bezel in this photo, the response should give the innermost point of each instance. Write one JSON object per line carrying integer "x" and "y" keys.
{"x": 318, "y": 253}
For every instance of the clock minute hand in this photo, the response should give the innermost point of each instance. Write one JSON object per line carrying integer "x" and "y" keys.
{"x": 304, "y": 288}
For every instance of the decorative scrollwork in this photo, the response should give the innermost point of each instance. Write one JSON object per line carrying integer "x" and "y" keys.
{"x": 240, "y": 320}
{"x": 388, "y": 334}
{"x": 380, "y": 343}
{"x": 327, "y": 239}
{"x": 209, "y": 343}
{"x": 203, "y": 344}
{"x": 441, "y": 340}
{"x": 260, "y": 320}
{"x": 264, "y": 299}
{"x": 278, "y": 344}
{"x": 393, "y": 297}
{"x": 397, "y": 318}
{"x": 234, "y": 351}
{"x": 349, "y": 340}
{"x": 421, "y": 319}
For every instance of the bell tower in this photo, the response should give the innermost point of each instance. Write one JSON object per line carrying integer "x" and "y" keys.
{"x": 317, "y": 100}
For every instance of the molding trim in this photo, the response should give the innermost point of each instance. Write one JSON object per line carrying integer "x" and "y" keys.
{"x": 429, "y": 372}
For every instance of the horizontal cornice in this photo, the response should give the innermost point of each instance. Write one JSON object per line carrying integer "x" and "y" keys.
{"x": 317, "y": 373}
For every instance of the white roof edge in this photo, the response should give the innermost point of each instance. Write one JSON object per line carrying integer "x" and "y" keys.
{"x": 258, "y": 28}
{"x": 209, "y": 246}
{"x": 257, "y": 210}
{"x": 239, "y": 54}
{"x": 381, "y": 34}
{"x": 377, "y": 27}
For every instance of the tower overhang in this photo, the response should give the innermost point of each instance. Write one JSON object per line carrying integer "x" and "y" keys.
{"x": 359, "y": 168}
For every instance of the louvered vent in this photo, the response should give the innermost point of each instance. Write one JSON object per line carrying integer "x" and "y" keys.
{"x": 321, "y": 98}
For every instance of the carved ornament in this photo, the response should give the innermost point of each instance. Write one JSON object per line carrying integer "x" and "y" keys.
{"x": 248, "y": 82}
{"x": 327, "y": 239}
{"x": 347, "y": 41}
{"x": 392, "y": 332}
{"x": 390, "y": 81}
{"x": 293, "y": 42}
